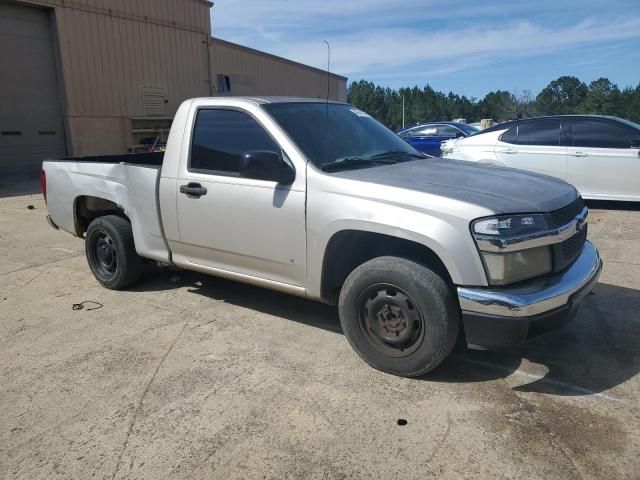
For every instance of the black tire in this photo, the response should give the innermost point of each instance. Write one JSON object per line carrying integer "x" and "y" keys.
{"x": 399, "y": 316}
{"x": 111, "y": 253}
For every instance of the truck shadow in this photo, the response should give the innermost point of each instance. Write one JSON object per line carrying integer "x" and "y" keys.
{"x": 270, "y": 302}
{"x": 597, "y": 351}
{"x": 594, "y": 353}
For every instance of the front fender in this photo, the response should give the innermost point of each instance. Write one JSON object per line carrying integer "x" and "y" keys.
{"x": 451, "y": 242}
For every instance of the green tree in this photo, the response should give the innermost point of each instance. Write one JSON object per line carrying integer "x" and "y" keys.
{"x": 499, "y": 105}
{"x": 630, "y": 103}
{"x": 603, "y": 98}
{"x": 561, "y": 96}
{"x": 461, "y": 107}
{"x": 564, "y": 95}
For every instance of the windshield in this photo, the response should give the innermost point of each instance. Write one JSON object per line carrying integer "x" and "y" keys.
{"x": 350, "y": 134}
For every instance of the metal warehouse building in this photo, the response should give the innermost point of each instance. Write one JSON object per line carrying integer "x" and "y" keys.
{"x": 244, "y": 71}
{"x": 84, "y": 77}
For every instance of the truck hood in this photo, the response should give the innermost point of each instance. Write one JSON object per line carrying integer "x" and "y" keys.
{"x": 503, "y": 190}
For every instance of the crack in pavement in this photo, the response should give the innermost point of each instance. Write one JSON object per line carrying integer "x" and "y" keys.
{"x": 138, "y": 408}
{"x": 40, "y": 265}
{"x": 29, "y": 281}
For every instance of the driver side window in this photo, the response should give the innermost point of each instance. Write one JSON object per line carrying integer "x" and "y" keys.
{"x": 221, "y": 137}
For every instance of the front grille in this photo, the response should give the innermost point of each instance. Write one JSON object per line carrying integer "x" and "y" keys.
{"x": 572, "y": 246}
{"x": 566, "y": 214}
{"x": 566, "y": 252}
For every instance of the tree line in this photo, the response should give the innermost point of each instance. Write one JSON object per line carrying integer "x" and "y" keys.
{"x": 565, "y": 95}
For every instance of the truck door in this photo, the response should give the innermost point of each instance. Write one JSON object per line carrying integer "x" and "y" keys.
{"x": 240, "y": 225}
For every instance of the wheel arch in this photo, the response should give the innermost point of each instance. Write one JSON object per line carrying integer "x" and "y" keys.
{"x": 87, "y": 208}
{"x": 347, "y": 249}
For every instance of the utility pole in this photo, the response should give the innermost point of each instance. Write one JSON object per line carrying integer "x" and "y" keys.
{"x": 402, "y": 111}
{"x": 328, "y": 66}
{"x": 326, "y": 133}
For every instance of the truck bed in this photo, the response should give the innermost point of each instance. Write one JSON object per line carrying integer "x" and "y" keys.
{"x": 129, "y": 181}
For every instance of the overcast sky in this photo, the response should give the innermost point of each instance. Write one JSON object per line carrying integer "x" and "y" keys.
{"x": 470, "y": 47}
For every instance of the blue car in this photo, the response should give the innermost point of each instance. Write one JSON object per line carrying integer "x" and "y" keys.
{"x": 427, "y": 137}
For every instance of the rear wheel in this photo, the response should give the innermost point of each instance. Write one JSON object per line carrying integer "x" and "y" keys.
{"x": 399, "y": 316}
{"x": 111, "y": 252}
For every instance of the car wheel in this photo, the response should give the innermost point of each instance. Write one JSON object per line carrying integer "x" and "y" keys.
{"x": 399, "y": 316}
{"x": 111, "y": 253}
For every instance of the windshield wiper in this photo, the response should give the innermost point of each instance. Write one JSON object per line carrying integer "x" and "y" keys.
{"x": 355, "y": 162}
{"x": 396, "y": 153}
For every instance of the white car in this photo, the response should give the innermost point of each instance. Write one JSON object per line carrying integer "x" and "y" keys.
{"x": 599, "y": 155}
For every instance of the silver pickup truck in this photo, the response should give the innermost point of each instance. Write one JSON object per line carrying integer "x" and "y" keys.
{"x": 318, "y": 199}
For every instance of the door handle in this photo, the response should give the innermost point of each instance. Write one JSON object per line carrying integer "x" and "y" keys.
{"x": 579, "y": 154}
{"x": 509, "y": 151}
{"x": 192, "y": 189}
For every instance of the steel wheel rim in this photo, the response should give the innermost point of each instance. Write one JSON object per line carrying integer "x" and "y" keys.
{"x": 104, "y": 254}
{"x": 390, "y": 320}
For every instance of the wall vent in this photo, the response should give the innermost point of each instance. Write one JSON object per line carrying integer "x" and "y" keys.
{"x": 154, "y": 100}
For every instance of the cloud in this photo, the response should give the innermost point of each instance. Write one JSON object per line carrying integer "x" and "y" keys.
{"x": 382, "y": 40}
{"x": 381, "y": 50}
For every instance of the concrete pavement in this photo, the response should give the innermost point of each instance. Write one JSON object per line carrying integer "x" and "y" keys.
{"x": 189, "y": 376}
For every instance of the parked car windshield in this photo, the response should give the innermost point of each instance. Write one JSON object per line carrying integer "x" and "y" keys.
{"x": 337, "y": 133}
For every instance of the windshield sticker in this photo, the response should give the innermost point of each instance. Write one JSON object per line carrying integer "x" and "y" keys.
{"x": 359, "y": 113}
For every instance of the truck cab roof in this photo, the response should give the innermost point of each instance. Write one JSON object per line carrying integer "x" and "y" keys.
{"x": 271, "y": 99}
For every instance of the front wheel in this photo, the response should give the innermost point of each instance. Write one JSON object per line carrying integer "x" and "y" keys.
{"x": 399, "y": 316}
{"x": 111, "y": 253}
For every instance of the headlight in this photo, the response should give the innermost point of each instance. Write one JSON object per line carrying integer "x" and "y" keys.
{"x": 449, "y": 149}
{"x": 509, "y": 225}
{"x": 511, "y": 266}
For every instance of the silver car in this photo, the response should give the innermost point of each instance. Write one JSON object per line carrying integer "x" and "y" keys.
{"x": 411, "y": 249}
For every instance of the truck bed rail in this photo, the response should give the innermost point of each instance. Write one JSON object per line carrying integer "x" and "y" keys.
{"x": 152, "y": 159}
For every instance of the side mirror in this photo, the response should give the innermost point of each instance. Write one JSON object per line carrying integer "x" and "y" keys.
{"x": 266, "y": 165}
{"x": 459, "y": 135}
{"x": 635, "y": 143}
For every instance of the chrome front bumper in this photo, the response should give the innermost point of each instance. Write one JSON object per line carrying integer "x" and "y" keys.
{"x": 539, "y": 305}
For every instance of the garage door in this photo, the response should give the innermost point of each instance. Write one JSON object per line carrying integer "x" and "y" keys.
{"x": 31, "y": 122}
